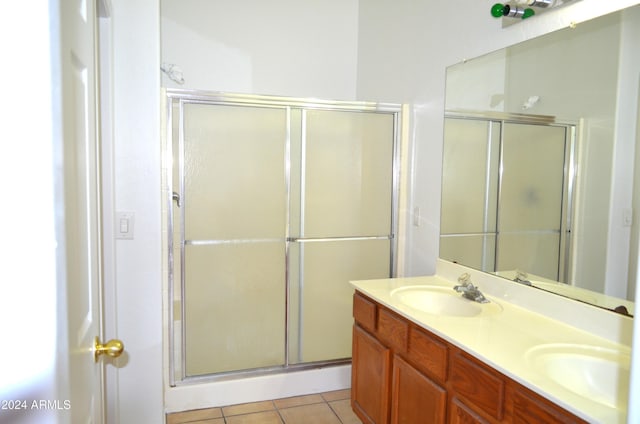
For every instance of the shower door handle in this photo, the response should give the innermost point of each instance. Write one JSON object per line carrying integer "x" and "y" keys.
{"x": 176, "y": 197}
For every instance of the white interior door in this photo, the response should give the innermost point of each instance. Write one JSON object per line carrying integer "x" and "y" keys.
{"x": 81, "y": 210}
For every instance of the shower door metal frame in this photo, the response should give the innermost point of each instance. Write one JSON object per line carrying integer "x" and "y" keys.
{"x": 569, "y": 172}
{"x": 183, "y": 97}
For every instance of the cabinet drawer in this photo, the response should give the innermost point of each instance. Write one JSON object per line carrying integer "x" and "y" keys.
{"x": 393, "y": 330}
{"x": 532, "y": 409}
{"x": 364, "y": 312}
{"x": 428, "y": 354}
{"x": 478, "y": 384}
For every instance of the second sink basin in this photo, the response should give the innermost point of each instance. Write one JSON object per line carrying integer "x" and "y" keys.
{"x": 595, "y": 373}
{"x": 444, "y": 301}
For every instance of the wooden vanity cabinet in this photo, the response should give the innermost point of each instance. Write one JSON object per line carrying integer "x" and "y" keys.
{"x": 404, "y": 374}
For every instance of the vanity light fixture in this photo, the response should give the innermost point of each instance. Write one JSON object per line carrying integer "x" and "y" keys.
{"x": 523, "y": 8}
{"x": 535, "y": 3}
{"x": 499, "y": 10}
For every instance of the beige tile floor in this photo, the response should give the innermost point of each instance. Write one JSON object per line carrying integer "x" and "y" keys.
{"x": 322, "y": 408}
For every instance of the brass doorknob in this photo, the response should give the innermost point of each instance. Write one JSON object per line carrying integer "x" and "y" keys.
{"x": 111, "y": 348}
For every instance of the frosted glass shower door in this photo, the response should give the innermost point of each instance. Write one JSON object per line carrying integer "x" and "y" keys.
{"x": 276, "y": 205}
{"x": 531, "y": 199}
{"x": 233, "y": 206}
{"x": 469, "y": 192}
{"x": 345, "y": 227}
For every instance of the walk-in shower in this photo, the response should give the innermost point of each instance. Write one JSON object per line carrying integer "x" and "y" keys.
{"x": 273, "y": 205}
{"x": 507, "y": 193}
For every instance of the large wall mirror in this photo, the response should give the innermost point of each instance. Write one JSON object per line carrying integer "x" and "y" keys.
{"x": 540, "y": 183}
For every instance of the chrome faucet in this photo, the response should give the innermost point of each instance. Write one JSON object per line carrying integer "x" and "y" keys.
{"x": 468, "y": 290}
{"x": 522, "y": 278}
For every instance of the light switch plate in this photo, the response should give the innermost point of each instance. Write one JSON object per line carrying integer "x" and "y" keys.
{"x": 416, "y": 217}
{"x": 124, "y": 225}
{"x": 627, "y": 217}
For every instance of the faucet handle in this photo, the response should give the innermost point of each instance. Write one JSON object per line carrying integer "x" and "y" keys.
{"x": 464, "y": 279}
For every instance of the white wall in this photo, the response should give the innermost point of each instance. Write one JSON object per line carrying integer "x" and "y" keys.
{"x": 289, "y": 47}
{"x": 136, "y": 135}
{"x": 463, "y": 92}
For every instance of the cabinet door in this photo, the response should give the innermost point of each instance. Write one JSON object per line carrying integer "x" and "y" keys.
{"x": 415, "y": 398}
{"x": 481, "y": 386}
{"x": 370, "y": 377}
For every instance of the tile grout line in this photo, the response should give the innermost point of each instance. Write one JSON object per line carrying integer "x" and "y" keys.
{"x": 279, "y": 414}
{"x": 334, "y": 412}
{"x": 225, "y": 416}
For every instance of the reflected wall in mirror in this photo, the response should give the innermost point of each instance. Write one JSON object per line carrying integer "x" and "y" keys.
{"x": 539, "y": 178}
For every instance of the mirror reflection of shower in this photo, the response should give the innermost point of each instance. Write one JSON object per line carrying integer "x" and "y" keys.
{"x": 506, "y": 195}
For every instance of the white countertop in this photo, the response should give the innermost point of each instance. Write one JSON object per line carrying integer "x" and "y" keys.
{"x": 502, "y": 340}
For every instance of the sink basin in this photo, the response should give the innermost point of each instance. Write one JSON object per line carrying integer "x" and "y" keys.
{"x": 595, "y": 373}
{"x": 442, "y": 301}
